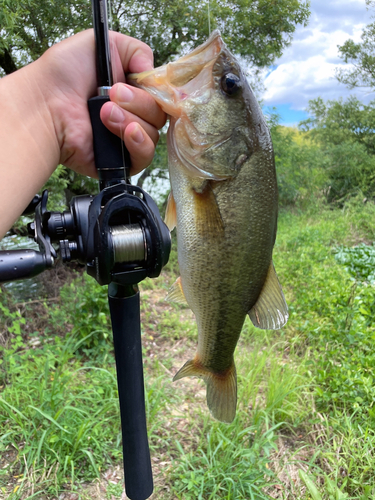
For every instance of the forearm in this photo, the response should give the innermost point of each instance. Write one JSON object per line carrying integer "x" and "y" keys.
{"x": 29, "y": 149}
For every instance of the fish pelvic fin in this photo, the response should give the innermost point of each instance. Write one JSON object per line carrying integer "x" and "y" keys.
{"x": 270, "y": 312}
{"x": 176, "y": 293}
{"x": 221, "y": 388}
{"x": 170, "y": 213}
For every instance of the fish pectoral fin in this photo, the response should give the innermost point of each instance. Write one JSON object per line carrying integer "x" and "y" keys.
{"x": 270, "y": 312}
{"x": 221, "y": 388}
{"x": 176, "y": 293}
{"x": 208, "y": 216}
{"x": 170, "y": 218}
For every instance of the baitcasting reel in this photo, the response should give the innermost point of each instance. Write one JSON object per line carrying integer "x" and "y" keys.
{"x": 118, "y": 234}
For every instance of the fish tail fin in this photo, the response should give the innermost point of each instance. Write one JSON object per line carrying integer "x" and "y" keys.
{"x": 221, "y": 388}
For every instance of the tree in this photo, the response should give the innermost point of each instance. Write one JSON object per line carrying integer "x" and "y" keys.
{"x": 345, "y": 132}
{"x": 361, "y": 57}
{"x": 338, "y": 121}
{"x": 29, "y": 28}
{"x": 256, "y": 30}
{"x": 300, "y": 164}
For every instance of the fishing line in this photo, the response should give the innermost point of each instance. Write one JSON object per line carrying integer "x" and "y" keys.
{"x": 209, "y": 16}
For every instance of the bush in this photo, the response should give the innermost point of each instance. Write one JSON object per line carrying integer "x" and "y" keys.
{"x": 84, "y": 310}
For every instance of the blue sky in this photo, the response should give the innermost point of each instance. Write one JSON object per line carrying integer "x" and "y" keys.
{"x": 306, "y": 69}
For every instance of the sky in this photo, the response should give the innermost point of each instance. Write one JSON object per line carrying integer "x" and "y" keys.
{"x": 306, "y": 69}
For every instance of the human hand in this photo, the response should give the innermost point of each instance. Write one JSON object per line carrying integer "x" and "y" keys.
{"x": 68, "y": 79}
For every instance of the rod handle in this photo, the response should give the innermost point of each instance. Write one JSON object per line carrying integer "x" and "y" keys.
{"x": 126, "y": 326}
{"x": 112, "y": 159}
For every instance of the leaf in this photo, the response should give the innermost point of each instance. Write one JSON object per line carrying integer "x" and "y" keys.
{"x": 310, "y": 485}
{"x": 48, "y": 417}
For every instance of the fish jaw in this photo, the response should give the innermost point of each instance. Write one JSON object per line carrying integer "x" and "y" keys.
{"x": 190, "y": 92}
{"x": 189, "y": 76}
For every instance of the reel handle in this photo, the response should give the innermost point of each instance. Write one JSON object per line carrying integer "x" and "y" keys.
{"x": 21, "y": 264}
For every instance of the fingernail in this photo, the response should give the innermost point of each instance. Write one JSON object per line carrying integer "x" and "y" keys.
{"x": 124, "y": 94}
{"x": 117, "y": 115}
{"x": 137, "y": 135}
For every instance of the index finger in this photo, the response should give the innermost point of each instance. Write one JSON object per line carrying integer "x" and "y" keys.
{"x": 129, "y": 56}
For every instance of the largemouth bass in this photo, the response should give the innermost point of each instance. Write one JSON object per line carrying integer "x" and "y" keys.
{"x": 224, "y": 204}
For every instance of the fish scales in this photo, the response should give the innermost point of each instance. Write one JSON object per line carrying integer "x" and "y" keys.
{"x": 224, "y": 203}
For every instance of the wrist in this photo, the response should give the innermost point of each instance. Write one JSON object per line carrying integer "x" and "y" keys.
{"x": 26, "y": 110}
{"x": 29, "y": 150}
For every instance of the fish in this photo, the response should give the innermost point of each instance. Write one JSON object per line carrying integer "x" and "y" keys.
{"x": 224, "y": 204}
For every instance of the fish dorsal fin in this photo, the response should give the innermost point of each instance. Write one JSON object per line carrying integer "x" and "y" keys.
{"x": 170, "y": 213}
{"x": 208, "y": 216}
{"x": 176, "y": 293}
{"x": 270, "y": 311}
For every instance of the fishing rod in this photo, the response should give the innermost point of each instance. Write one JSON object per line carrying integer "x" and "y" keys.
{"x": 120, "y": 237}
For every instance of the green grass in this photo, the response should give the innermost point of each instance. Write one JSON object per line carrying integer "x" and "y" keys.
{"x": 60, "y": 412}
{"x": 305, "y": 426}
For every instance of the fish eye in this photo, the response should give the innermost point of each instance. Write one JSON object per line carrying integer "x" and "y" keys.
{"x": 231, "y": 83}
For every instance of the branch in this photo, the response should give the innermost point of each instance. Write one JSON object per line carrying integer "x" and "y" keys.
{"x": 7, "y": 62}
{"x": 146, "y": 173}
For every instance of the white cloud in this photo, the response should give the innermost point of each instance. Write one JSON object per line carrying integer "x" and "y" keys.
{"x": 307, "y": 68}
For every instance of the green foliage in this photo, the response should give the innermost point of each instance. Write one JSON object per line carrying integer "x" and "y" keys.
{"x": 55, "y": 410}
{"x": 332, "y": 312}
{"x": 358, "y": 260}
{"x": 334, "y": 492}
{"x": 301, "y": 175}
{"x": 255, "y": 29}
{"x": 335, "y": 314}
{"x": 84, "y": 312}
{"x": 231, "y": 463}
{"x": 335, "y": 122}
{"x": 343, "y": 132}
{"x": 12, "y": 320}
{"x": 30, "y": 27}
{"x": 361, "y": 57}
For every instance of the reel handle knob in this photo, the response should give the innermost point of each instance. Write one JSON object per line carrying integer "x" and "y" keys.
{"x": 21, "y": 264}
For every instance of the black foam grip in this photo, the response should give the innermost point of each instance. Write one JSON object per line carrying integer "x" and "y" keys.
{"x": 126, "y": 326}
{"x": 112, "y": 159}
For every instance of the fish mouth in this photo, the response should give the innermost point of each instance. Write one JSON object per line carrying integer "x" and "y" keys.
{"x": 189, "y": 76}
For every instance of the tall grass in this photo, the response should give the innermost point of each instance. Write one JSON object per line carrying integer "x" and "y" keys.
{"x": 306, "y": 397}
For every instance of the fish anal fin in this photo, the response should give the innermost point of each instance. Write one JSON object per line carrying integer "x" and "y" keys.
{"x": 221, "y": 388}
{"x": 208, "y": 216}
{"x": 176, "y": 293}
{"x": 270, "y": 312}
{"x": 170, "y": 213}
